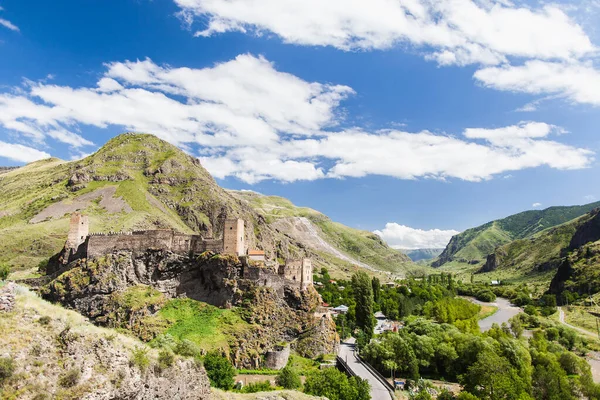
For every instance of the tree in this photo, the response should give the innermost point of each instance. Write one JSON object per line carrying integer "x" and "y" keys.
{"x": 493, "y": 377}
{"x": 335, "y": 385}
{"x": 4, "y": 271}
{"x": 376, "y": 284}
{"x": 219, "y": 370}
{"x": 363, "y": 296}
{"x": 288, "y": 378}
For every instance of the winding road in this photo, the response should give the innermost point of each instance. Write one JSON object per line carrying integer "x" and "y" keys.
{"x": 378, "y": 389}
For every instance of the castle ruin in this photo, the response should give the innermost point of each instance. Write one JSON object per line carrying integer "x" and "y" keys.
{"x": 81, "y": 244}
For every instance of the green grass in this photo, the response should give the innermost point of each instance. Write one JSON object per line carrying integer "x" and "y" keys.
{"x": 207, "y": 326}
{"x": 486, "y": 311}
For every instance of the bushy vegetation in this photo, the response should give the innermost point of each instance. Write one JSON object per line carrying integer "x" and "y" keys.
{"x": 139, "y": 358}
{"x": 288, "y": 378}
{"x": 335, "y": 385}
{"x": 7, "y": 368}
{"x": 255, "y": 387}
{"x": 70, "y": 378}
{"x": 4, "y": 271}
{"x": 219, "y": 370}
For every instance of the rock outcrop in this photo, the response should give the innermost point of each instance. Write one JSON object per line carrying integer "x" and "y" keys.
{"x": 276, "y": 311}
{"x": 57, "y": 354}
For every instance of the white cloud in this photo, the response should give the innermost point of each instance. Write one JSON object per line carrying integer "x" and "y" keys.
{"x": 536, "y": 205}
{"x": 578, "y": 82}
{"x": 459, "y": 31}
{"x": 20, "y": 153}
{"x": 532, "y": 49}
{"x": 404, "y": 237}
{"x": 248, "y": 120}
{"x": 7, "y": 24}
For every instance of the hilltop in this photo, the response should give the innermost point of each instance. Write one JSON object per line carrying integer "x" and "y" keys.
{"x": 473, "y": 245}
{"x": 137, "y": 182}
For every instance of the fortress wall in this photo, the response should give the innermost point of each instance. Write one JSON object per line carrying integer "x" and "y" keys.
{"x": 138, "y": 241}
{"x": 202, "y": 245}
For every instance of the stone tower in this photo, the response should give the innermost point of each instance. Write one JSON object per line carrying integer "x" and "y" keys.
{"x": 78, "y": 230}
{"x": 233, "y": 237}
{"x": 306, "y": 276}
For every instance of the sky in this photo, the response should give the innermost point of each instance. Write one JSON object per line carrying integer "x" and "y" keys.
{"x": 415, "y": 119}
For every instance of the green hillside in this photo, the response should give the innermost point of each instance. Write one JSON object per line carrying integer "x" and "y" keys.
{"x": 361, "y": 246}
{"x": 473, "y": 245}
{"x": 136, "y": 182}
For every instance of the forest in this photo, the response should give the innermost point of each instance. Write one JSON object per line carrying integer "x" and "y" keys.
{"x": 530, "y": 357}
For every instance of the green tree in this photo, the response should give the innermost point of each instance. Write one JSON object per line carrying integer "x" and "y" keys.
{"x": 219, "y": 370}
{"x": 493, "y": 377}
{"x": 4, "y": 271}
{"x": 363, "y": 296}
{"x": 335, "y": 385}
{"x": 376, "y": 284}
{"x": 288, "y": 378}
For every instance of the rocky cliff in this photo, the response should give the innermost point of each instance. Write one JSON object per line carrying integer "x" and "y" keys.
{"x": 128, "y": 290}
{"x": 58, "y": 354}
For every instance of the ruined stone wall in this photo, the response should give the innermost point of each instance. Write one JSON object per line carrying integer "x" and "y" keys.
{"x": 264, "y": 276}
{"x": 299, "y": 271}
{"x": 98, "y": 244}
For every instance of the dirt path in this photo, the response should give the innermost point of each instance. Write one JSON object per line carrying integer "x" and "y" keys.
{"x": 561, "y": 319}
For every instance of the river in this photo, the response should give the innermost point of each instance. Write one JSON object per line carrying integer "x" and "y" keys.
{"x": 505, "y": 312}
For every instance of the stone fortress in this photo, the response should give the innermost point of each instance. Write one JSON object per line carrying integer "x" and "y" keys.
{"x": 81, "y": 244}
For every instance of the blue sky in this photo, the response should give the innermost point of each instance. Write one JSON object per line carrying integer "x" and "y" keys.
{"x": 414, "y": 118}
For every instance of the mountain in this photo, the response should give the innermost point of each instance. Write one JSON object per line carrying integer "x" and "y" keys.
{"x": 331, "y": 240}
{"x": 137, "y": 182}
{"x": 422, "y": 254}
{"x": 566, "y": 254}
{"x": 473, "y": 245}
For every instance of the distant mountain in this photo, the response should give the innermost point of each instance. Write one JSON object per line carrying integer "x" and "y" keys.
{"x": 473, "y": 245}
{"x": 422, "y": 254}
{"x": 568, "y": 254}
{"x": 136, "y": 182}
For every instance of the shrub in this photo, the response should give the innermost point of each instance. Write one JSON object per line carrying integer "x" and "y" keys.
{"x": 288, "y": 378}
{"x": 45, "y": 320}
{"x": 139, "y": 358}
{"x": 70, "y": 378}
{"x": 445, "y": 394}
{"x": 187, "y": 348}
{"x": 219, "y": 370}
{"x": 530, "y": 310}
{"x": 256, "y": 387}
{"x": 166, "y": 358}
{"x": 466, "y": 396}
{"x": 4, "y": 271}
{"x": 7, "y": 368}
{"x": 486, "y": 296}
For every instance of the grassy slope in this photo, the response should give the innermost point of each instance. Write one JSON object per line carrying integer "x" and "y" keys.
{"x": 476, "y": 243}
{"x": 361, "y": 245}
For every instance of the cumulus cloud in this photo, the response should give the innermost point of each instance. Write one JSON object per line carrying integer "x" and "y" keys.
{"x": 536, "y": 205}
{"x": 578, "y": 82}
{"x": 246, "y": 119}
{"x": 404, "y": 237}
{"x": 20, "y": 153}
{"x": 459, "y": 31}
{"x": 537, "y": 50}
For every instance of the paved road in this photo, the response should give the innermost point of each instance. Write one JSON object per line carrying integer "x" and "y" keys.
{"x": 505, "y": 312}
{"x": 378, "y": 390}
